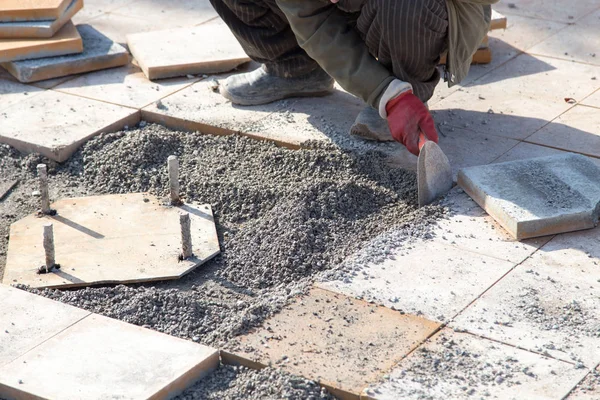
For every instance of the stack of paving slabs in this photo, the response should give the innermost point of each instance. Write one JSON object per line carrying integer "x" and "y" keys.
{"x": 483, "y": 55}
{"x": 38, "y": 41}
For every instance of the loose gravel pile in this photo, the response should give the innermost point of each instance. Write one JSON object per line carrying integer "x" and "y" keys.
{"x": 240, "y": 383}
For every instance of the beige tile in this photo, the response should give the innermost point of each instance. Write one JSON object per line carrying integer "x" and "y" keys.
{"x": 578, "y": 42}
{"x": 29, "y": 10}
{"x": 555, "y": 10}
{"x": 117, "y": 26}
{"x": 549, "y": 304}
{"x": 467, "y": 226}
{"x": 588, "y": 389}
{"x": 519, "y": 97}
{"x": 466, "y": 148}
{"x": 175, "y": 13}
{"x": 206, "y": 49}
{"x": 577, "y": 130}
{"x": 88, "y": 237}
{"x": 594, "y": 99}
{"x": 28, "y": 320}
{"x": 126, "y": 86}
{"x": 39, "y": 29}
{"x": 428, "y": 278}
{"x": 525, "y": 151}
{"x": 51, "y": 83}
{"x": 55, "y": 124}
{"x": 460, "y": 366}
{"x": 199, "y": 108}
{"x": 101, "y": 358}
{"x": 336, "y": 340}
{"x": 12, "y": 92}
{"x": 95, "y": 8}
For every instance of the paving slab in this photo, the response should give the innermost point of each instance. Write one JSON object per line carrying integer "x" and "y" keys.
{"x": 66, "y": 41}
{"x": 125, "y": 86}
{"x": 39, "y": 29}
{"x": 467, "y": 226}
{"x": 554, "y": 10}
{"x": 12, "y": 92}
{"x": 205, "y": 49}
{"x": 32, "y": 10}
{"x": 549, "y": 304}
{"x": 175, "y": 13}
{"x": 461, "y": 366}
{"x": 578, "y": 42}
{"x": 95, "y": 8}
{"x": 200, "y": 108}
{"x": 89, "y": 235}
{"x": 588, "y": 389}
{"x": 594, "y": 99}
{"x": 537, "y": 197}
{"x": 524, "y": 151}
{"x": 56, "y": 124}
{"x": 341, "y": 342}
{"x": 577, "y": 130}
{"x": 499, "y": 21}
{"x": 102, "y": 358}
{"x": 99, "y": 52}
{"x": 518, "y": 98}
{"x": 428, "y": 278}
{"x": 28, "y": 320}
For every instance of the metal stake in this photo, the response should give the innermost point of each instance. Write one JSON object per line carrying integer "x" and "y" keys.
{"x": 173, "y": 164}
{"x": 42, "y": 171}
{"x": 49, "y": 246}
{"x": 186, "y": 235}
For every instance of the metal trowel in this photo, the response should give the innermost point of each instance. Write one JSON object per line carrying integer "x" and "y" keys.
{"x": 434, "y": 174}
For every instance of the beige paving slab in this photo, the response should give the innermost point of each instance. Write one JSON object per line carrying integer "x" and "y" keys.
{"x": 39, "y": 29}
{"x": 200, "y": 108}
{"x": 12, "y": 92}
{"x": 95, "y": 8}
{"x": 51, "y": 83}
{"x": 55, "y": 124}
{"x": 32, "y": 10}
{"x": 126, "y": 86}
{"x": 117, "y": 26}
{"x": 28, "y": 320}
{"x": 66, "y": 41}
{"x": 519, "y": 97}
{"x": 428, "y": 278}
{"x": 588, "y": 389}
{"x": 336, "y": 340}
{"x": 539, "y": 196}
{"x": 206, "y": 49}
{"x": 461, "y": 366}
{"x": 549, "y": 304}
{"x": 524, "y": 151}
{"x": 176, "y": 13}
{"x": 467, "y": 226}
{"x": 110, "y": 239}
{"x": 499, "y": 21}
{"x": 594, "y": 99}
{"x": 465, "y": 148}
{"x": 99, "y": 53}
{"x": 578, "y": 42}
{"x": 102, "y": 358}
{"x": 555, "y": 10}
{"x": 577, "y": 130}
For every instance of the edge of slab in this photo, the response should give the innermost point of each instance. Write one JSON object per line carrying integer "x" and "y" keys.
{"x": 30, "y": 30}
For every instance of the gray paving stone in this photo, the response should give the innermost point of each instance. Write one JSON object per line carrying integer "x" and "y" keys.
{"x": 99, "y": 52}
{"x": 539, "y": 196}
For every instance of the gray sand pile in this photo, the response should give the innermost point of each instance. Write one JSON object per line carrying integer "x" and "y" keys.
{"x": 229, "y": 382}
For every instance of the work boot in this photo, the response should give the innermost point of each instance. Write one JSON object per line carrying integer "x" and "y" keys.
{"x": 260, "y": 87}
{"x": 370, "y": 126}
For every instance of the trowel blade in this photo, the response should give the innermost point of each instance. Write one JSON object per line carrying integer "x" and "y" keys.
{"x": 434, "y": 174}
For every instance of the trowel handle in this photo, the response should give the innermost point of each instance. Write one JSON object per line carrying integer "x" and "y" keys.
{"x": 422, "y": 140}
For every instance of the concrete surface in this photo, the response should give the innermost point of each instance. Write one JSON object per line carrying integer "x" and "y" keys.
{"x": 207, "y": 49}
{"x": 89, "y": 237}
{"x": 537, "y": 197}
{"x": 99, "y": 52}
{"x": 39, "y": 29}
{"x": 66, "y": 41}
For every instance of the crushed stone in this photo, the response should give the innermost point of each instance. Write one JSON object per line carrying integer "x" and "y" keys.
{"x": 589, "y": 388}
{"x": 238, "y": 382}
{"x": 282, "y": 216}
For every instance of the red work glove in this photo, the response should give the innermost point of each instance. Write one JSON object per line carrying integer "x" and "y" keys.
{"x": 407, "y": 116}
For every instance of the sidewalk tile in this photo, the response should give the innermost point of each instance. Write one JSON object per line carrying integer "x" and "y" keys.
{"x": 555, "y": 10}
{"x": 12, "y": 92}
{"x": 525, "y": 150}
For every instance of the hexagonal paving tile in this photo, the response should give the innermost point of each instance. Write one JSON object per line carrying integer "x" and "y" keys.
{"x": 109, "y": 239}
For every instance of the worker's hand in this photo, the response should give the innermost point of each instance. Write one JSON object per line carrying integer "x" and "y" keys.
{"x": 407, "y": 116}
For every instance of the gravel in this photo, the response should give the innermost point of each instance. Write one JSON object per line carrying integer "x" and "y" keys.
{"x": 283, "y": 216}
{"x": 231, "y": 382}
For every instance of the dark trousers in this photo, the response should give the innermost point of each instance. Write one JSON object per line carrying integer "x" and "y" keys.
{"x": 406, "y": 36}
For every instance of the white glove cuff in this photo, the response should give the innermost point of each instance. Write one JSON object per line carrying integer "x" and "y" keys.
{"x": 394, "y": 89}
